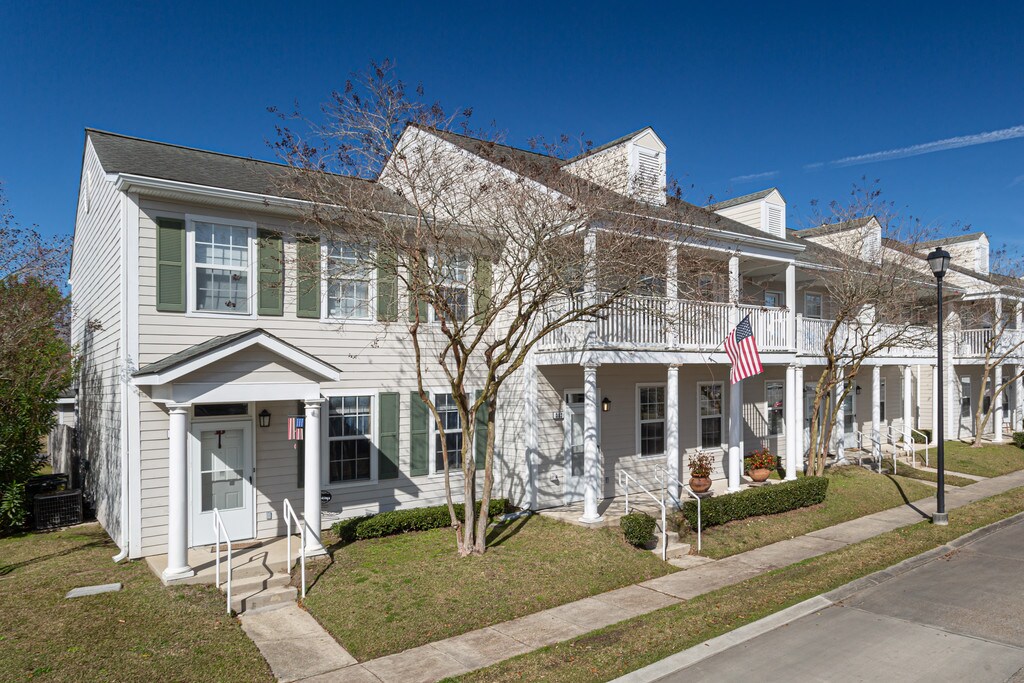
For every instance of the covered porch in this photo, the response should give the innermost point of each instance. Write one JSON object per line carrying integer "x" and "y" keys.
{"x": 231, "y": 461}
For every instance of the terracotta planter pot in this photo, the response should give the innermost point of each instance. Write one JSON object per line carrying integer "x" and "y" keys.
{"x": 700, "y": 484}
{"x": 760, "y": 474}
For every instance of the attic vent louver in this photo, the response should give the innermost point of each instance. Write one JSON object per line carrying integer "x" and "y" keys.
{"x": 649, "y": 176}
{"x": 775, "y": 226}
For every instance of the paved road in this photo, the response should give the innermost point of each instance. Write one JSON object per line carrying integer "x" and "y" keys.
{"x": 957, "y": 618}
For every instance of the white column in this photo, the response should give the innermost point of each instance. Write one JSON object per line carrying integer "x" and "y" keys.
{"x": 672, "y": 294}
{"x": 801, "y": 418}
{"x": 876, "y": 411}
{"x": 591, "y": 454}
{"x": 935, "y": 403}
{"x": 735, "y": 390}
{"x": 908, "y": 405}
{"x": 311, "y": 483}
{"x": 1018, "y": 385}
{"x": 792, "y": 397}
{"x": 997, "y": 409}
{"x": 839, "y": 428}
{"x": 672, "y": 430}
{"x": 177, "y": 494}
{"x": 590, "y": 280}
{"x": 791, "y": 304}
{"x": 530, "y": 413}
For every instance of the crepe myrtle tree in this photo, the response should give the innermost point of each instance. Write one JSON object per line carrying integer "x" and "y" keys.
{"x": 877, "y": 298}
{"x": 480, "y": 251}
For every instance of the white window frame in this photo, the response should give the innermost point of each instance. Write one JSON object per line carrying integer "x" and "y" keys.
{"x": 768, "y": 407}
{"x": 966, "y": 381}
{"x": 325, "y": 438}
{"x": 191, "y": 280}
{"x": 431, "y": 454}
{"x": 639, "y": 422}
{"x": 821, "y": 305}
{"x": 780, "y": 297}
{"x": 468, "y": 286}
{"x": 326, "y": 280}
{"x": 701, "y": 418}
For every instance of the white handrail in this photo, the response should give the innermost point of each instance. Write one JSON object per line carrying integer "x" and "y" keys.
{"x": 659, "y": 474}
{"x": 289, "y": 515}
{"x": 218, "y": 526}
{"x": 895, "y": 435}
{"x": 927, "y": 445}
{"x": 624, "y": 478}
{"x": 873, "y": 438}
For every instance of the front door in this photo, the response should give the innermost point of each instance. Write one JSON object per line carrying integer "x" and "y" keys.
{"x": 850, "y": 420}
{"x": 221, "y": 478}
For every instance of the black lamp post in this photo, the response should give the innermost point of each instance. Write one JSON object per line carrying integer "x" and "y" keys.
{"x": 939, "y": 262}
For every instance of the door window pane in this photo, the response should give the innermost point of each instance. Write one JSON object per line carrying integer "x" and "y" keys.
{"x": 221, "y": 463}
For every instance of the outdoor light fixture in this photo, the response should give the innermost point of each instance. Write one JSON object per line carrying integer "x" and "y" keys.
{"x": 938, "y": 260}
{"x": 264, "y": 418}
{"x": 605, "y": 405}
{"x": 858, "y": 390}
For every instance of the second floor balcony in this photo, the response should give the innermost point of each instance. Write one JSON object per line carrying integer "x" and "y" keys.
{"x": 977, "y": 343}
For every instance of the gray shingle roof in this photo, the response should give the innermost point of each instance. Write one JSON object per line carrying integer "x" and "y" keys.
{"x": 967, "y": 237}
{"x": 736, "y": 201}
{"x": 832, "y": 228}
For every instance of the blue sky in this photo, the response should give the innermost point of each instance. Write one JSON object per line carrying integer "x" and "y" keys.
{"x": 745, "y": 96}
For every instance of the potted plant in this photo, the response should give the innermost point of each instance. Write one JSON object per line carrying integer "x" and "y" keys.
{"x": 762, "y": 462}
{"x": 700, "y": 472}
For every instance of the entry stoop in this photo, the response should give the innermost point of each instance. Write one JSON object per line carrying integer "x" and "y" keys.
{"x": 262, "y": 594}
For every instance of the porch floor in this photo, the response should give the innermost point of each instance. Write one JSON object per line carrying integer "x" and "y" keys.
{"x": 258, "y": 560}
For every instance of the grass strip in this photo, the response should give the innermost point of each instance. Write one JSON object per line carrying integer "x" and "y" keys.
{"x": 905, "y": 470}
{"x": 618, "y": 649}
{"x": 990, "y": 460}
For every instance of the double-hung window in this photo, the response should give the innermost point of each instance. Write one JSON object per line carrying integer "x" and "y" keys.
{"x": 452, "y": 423}
{"x": 222, "y": 267}
{"x": 349, "y": 287}
{"x": 881, "y": 399}
{"x": 709, "y": 405}
{"x": 349, "y": 434}
{"x": 965, "y": 397}
{"x": 774, "y": 393}
{"x": 812, "y": 305}
{"x": 453, "y": 287}
{"x": 651, "y": 415}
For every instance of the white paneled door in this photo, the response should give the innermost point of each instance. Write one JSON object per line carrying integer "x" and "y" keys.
{"x": 220, "y": 461}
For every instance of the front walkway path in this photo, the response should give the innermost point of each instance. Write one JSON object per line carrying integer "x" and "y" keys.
{"x": 487, "y": 646}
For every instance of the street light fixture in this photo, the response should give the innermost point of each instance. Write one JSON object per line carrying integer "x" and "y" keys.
{"x": 938, "y": 260}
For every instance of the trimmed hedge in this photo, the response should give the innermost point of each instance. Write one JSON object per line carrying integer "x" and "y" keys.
{"x": 400, "y": 521}
{"x": 927, "y": 438}
{"x": 638, "y": 528}
{"x": 763, "y": 500}
{"x": 1018, "y": 439}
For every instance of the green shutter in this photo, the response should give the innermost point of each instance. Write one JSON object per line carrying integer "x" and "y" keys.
{"x": 387, "y": 439}
{"x": 482, "y": 281}
{"x": 387, "y": 288}
{"x": 481, "y": 434}
{"x": 170, "y": 265}
{"x": 307, "y": 252}
{"x": 270, "y": 257}
{"x": 419, "y": 435}
{"x": 417, "y": 277}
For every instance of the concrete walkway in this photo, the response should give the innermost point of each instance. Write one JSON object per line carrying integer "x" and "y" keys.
{"x": 487, "y": 646}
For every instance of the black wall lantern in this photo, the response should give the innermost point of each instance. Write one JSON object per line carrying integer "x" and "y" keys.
{"x": 264, "y": 418}
{"x": 858, "y": 390}
{"x": 606, "y": 404}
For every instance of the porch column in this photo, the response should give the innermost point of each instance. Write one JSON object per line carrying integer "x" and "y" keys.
{"x": 672, "y": 431}
{"x": 791, "y": 423}
{"x": 908, "y": 405}
{"x": 177, "y": 494}
{"x": 672, "y": 294}
{"x": 591, "y": 454}
{"x": 735, "y": 390}
{"x": 530, "y": 437}
{"x": 590, "y": 281}
{"x": 839, "y": 428}
{"x": 935, "y": 404}
{"x": 997, "y": 409}
{"x": 1018, "y": 384}
{"x": 311, "y": 483}
{"x": 876, "y": 412}
{"x": 798, "y": 413}
{"x": 791, "y": 305}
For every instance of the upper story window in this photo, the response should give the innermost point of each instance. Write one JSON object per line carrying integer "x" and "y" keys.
{"x": 453, "y": 286}
{"x": 812, "y": 305}
{"x": 349, "y": 287}
{"x": 222, "y": 267}
{"x": 773, "y": 299}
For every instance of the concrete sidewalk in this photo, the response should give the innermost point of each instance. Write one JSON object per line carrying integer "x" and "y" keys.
{"x": 487, "y": 646}
{"x": 952, "y": 613}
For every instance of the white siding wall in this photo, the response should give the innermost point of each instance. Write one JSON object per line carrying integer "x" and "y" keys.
{"x": 748, "y": 214}
{"x": 95, "y": 332}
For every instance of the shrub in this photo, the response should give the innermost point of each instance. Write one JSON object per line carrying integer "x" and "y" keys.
{"x": 923, "y": 439}
{"x": 701, "y": 465}
{"x": 400, "y": 521}
{"x": 638, "y": 528}
{"x": 764, "y": 500}
{"x": 1018, "y": 439}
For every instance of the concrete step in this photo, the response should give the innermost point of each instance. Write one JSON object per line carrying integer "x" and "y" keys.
{"x": 256, "y": 596}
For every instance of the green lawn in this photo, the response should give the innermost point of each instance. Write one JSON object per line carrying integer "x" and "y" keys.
{"x": 618, "y": 649}
{"x": 385, "y": 595}
{"x": 145, "y": 632}
{"x": 989, "y": 460}
{"x": 852, "y": 492}
{"x": 905, "y": 470}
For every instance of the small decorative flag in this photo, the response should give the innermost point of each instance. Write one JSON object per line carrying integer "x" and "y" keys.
{"x": 296, "y": 425}
{"x": 742, "y": 351}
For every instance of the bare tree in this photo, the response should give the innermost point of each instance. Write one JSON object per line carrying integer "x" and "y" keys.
{"x": 481, "y": 250}
{"x": 876, "y": 293}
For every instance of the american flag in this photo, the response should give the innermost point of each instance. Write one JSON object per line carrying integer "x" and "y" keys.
{"x": 742, "y": 351}
{"x": 296, "y": 426}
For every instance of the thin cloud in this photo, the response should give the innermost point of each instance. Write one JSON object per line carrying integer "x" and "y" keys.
{"x": 1017, "y": 181}
{"x": 928, "y": 147}
{"x": 753, "y": 176}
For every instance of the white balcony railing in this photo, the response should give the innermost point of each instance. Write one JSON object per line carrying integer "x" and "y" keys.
{"x": 974, "y": 343}
{"x": 915, "y": 341}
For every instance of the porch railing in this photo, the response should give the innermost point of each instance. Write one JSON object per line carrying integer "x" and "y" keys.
{"x": 218, "y": 527}
{"x": 975, "y": 342}
{"x": 624, "y": 478}
{"x": 663, "y": 477}
{"x": 290, "y": 516}
{"x": 914, "y": 340}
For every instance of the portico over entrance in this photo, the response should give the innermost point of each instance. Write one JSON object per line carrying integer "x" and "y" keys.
{"x": 214, "y": 393}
